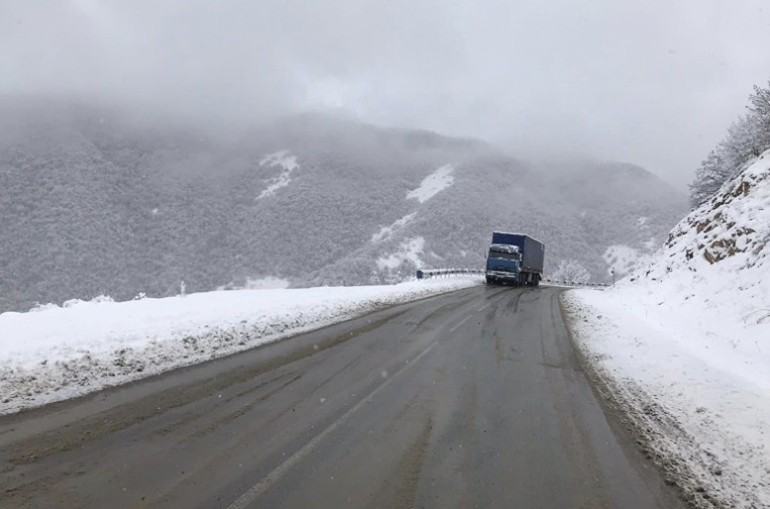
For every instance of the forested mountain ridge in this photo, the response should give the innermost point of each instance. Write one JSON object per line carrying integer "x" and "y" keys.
{"x": 92, "y": 203}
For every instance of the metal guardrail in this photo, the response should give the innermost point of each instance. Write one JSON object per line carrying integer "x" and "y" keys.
{"x": 573, "y": 284}
{"x": 431, "y": 273}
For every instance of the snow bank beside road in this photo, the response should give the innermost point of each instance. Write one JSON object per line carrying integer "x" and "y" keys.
{"x": 684, "y": 345}
{"x": 700, "y": 398}
{"x": 58, "y": 353}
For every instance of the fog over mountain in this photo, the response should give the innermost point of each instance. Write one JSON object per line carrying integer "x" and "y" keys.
{"x": 96, "y": 203}
{"x": 653, "y": 82}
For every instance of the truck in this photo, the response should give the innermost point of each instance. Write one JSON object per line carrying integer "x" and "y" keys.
{"x": 516, "y": 259}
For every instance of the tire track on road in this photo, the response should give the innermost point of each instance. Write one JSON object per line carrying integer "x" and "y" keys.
{"x": 35, "y": 448}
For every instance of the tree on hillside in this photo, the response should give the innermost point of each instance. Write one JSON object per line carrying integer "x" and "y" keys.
{"x": 760, "y": 108}
{"x": 708, "y": 178}
{"x": 746, "y": 138}
{"x": 571, "y": 271}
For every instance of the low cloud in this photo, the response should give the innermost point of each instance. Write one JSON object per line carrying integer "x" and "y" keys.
{"x": 654, "y": 83}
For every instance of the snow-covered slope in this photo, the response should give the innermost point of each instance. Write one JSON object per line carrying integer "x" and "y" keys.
{"x": 622, "y": 260}
{"x": 688, "y": 336}
{"x": 56, "y": 353}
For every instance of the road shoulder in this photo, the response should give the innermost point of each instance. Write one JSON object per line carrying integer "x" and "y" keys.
{"x": 686, "y": 442}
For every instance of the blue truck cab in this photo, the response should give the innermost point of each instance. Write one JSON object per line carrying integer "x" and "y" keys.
{"x": 503, "y": 264}
{"x": 516, "y": 259}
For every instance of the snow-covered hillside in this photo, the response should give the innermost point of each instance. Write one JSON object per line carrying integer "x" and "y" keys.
{"x": 54, "y": 353}
{"x": 685, "y": 342}
{"x": 311, "y": 199}
{"x": 622, "y": 259}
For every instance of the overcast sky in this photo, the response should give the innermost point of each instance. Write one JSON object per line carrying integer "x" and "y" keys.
{"x": 653, "y": 82}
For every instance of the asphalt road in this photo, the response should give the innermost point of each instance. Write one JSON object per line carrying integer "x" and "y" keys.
{"x": 470, "y": 399}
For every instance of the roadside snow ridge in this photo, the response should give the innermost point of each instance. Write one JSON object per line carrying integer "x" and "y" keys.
{"x": 433, "y": 184}
{"x": 62, "y": 352}
{"x": 264, "y": 283}
{"x": 282, "y": 159}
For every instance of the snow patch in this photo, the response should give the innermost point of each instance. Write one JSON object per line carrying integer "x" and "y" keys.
{"x": 624, "y": 259}
{"x": 642, "y": 222}
{"x": 387, "y": 231}
{"x": 409, "y": 251}
{"x": 650, "y": 244}
{"x": 433, "y": 184}
{"x": 265, "y": 283}
{"x": 58, "y": 353}
{"x": 282, "y": 159}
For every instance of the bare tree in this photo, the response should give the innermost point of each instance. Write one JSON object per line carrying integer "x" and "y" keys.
{"x": 571, "y": 271}
{"x": 709, "y": 177}
{"x": 746, "y": 139}
{"x": 760, "y": 108}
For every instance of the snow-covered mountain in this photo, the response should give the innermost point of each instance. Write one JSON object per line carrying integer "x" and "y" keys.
{"x": 94, "y": 203}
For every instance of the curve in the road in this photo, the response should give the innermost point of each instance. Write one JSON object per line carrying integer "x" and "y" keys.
{"x": 470, "y": 399}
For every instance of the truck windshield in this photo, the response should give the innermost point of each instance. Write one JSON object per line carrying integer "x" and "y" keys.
{"x": 504, "y": 256}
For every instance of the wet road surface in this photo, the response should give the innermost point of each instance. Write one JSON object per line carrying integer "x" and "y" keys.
{"x": 469, "y": 399}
